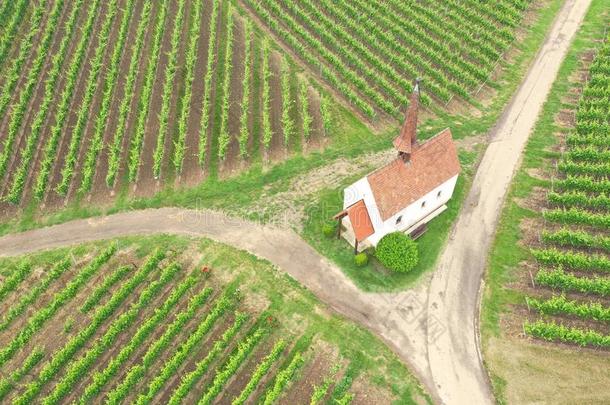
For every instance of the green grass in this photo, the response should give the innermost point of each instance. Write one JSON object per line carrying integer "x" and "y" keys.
{"x": 373, "y": 277}
{"x": 507, "y": 252}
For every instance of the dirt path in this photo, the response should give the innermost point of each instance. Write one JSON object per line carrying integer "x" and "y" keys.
{"x": 454, "y": 356}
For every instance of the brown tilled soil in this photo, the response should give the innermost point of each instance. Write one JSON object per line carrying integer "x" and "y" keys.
{"x": 38, "y": 93}
{"x": 198, "y": 355}
{"x": 37, "y": 275}
{"x": 277, "y": 151}
{"x": 322, "y": 359}
{"x": 169, "y": 352}
{"x": 536, "y": 201}
{"x": 255, "y": 117}
{"x": 202, "y": 385}
{"x": 252, "y": 302}
{"x": 530, "y": 228}
{"x": 53, "y": 334}
{"x": 317, "y": 136}
{"x": 147, "y": 185}
{"x": 124, "y": 336}
{"x": 566, "y": 118}
{"x": 101, "y": 194}
{"x": 136, "y": 358}
{"x": 486, "y": 94}
{"x": 167, "y": 166}
{"x": 251, "y": 305}
{"x": 95, "y": 107}
{"x": 238, "y": 382}
{"x": 191, "y": 170}
{"x": 52, "y": 199}
{"x": 377, "y": 125}
{"x": 268, "y": 379}
{"x": 50, "y": 121}
{"x": 127, "y": 335}
{"x": 131, "y": 122}
{"x": 210, "y": 152}
{"x": 232, "y": 161}
{"x": 512, "y": 322}
{"x": 12, "y": 55}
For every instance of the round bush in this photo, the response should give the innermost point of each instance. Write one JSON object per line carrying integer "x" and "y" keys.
{"x": 361, "y": 259}
{"x": 329, "y": 229}
{"x": 397, "y": 252}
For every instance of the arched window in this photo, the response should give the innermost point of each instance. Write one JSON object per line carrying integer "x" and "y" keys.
{"x": 398, "y": 220}
{"x": 438, "y": 195}
{"x": 423, "y": 204}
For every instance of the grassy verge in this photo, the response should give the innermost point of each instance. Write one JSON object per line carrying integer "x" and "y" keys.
{"x": 507, "y": 252}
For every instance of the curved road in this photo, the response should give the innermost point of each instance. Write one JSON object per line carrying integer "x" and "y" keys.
{"x": 433, "y": 327}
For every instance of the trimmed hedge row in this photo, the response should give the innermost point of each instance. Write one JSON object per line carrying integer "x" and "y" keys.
{"x": 581, "y": 239}
{"x": 261, "y": 370}
{"x": 66, "y": 353}
{"x": 33, "y": 293}
{"x": 115, "y": 149}
{"x": 282, "y": 379}
{"x": 202, "y": 366}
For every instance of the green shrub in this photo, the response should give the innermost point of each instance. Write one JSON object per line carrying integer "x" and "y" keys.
{"x": 329, "y": 229}
{"x": 361, "y": 259}
{"x": 397, "y": 252}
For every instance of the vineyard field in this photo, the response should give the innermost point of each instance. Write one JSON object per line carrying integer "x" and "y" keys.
{"x": 126, "y": 97}
{"x": 105, "y": 96}
{"x": 371, "y": 51}
{"x": 181, "y": 183}
{"x": 567, "y": 298}
{"x": 173, "y": 320}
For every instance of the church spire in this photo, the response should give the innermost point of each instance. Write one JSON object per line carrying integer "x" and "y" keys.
{"x": 408, "y": 134}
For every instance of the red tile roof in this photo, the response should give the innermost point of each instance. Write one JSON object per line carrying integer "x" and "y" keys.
{"x": 399, "y": 184}
{"x": 361, "y": 221}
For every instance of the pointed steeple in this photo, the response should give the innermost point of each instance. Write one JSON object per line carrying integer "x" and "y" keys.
{"x": 408, "y": 134}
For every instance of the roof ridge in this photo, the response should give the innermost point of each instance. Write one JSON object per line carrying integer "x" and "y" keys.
{"x": 436, "y": 136}
{"x": 399, "y": 183}
{"x": 427, "y": 142}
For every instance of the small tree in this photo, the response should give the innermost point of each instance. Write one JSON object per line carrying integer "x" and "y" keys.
{"x": 361, "y": 259}
{"x": 329, "y": 229}
{"x": 397, "y": 252}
